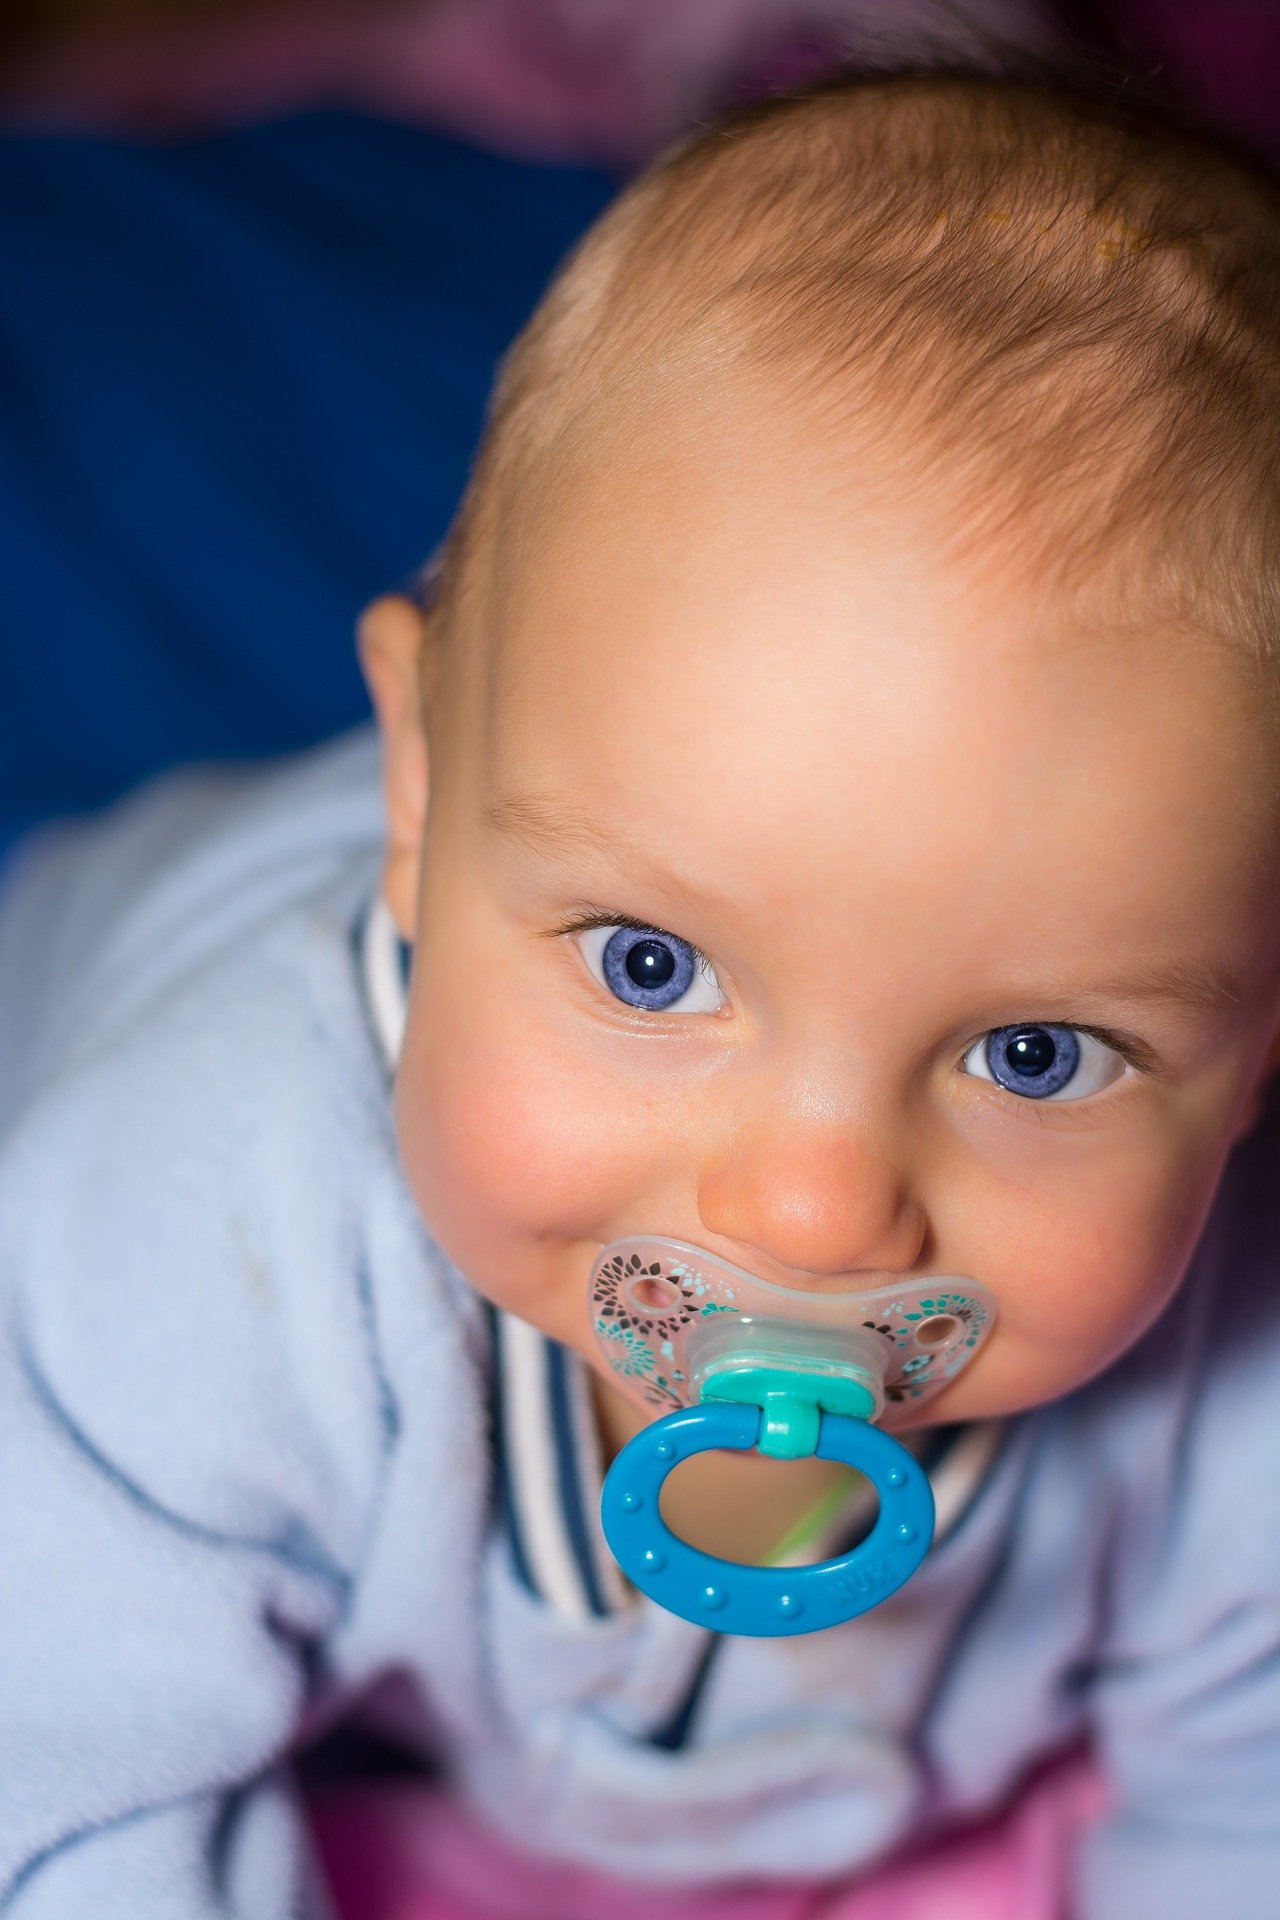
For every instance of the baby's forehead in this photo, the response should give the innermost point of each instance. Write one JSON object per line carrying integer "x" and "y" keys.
{"x": 715, "y": 586}
{"x": 750, "y": 715}
{"x": 694, "y": 503}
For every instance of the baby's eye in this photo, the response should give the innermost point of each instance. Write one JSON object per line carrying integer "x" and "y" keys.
{"x": 1044, "y": 1063}
{"x": 655, "y": 971}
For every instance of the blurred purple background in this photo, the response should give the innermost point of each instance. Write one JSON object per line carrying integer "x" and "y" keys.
{"x": 589, "y": 80}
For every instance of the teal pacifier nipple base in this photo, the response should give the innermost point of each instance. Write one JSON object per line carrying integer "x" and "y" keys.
{"x": 792, "y": 1418}
{"x": 763, "y": 1601}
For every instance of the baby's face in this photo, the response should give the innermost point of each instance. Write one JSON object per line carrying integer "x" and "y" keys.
{"x": 786, "y": 891}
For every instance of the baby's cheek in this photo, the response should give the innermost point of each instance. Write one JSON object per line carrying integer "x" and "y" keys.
{"x": 1084, "y": 1258}
{"x": 504, "y": 1150}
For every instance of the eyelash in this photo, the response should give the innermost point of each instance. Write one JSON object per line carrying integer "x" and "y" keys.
{"x": 1132, "y": 1052}
{"x": 584, "y": 923}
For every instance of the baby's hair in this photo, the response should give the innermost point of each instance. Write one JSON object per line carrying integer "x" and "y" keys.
{"x": 1059, "y": 312}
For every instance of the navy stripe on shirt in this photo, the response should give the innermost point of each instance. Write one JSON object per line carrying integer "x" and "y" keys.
{"x": 569, "y": 1477}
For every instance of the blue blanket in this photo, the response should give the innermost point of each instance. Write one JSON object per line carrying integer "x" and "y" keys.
{"x": 240, "y": 382}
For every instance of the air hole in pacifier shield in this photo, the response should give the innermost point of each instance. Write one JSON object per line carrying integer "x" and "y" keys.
{"x": 937, "y": 1330}
{"x": 652, "y": 1293}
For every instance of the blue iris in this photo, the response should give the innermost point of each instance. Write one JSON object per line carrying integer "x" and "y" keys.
{"x": 1034, "y": 1061}
{"x": 648, "y": 969}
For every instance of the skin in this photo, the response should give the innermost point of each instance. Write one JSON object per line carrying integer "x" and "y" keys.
{"x": 898, "y": 799}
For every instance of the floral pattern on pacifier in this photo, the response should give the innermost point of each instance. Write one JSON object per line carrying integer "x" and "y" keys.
{"x": 648, "y": 1293}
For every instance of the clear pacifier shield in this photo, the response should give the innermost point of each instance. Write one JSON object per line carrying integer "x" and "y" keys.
{"x": 653, "y": 1302}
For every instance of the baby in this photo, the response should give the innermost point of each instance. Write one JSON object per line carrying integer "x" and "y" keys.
{"x": 829, "y": 817}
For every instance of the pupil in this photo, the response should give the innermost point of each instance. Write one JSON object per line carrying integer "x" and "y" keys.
{"x": 650, "y": 963}
{"x": 1031, "y": 1052}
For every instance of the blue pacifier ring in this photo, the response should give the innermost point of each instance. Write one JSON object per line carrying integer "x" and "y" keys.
{"x": 762, "y": 1601}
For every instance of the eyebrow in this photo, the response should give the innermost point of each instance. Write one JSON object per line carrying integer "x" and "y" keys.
{"x": 559, "y": 829}
{"x": 1197, "y": 986}
{"x": 550, "y": 826}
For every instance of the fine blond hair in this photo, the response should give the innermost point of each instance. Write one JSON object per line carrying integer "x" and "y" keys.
{"x": 1064, "y": 309}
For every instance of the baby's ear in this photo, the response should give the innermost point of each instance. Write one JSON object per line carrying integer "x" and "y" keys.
{"x": 391, "y": 640}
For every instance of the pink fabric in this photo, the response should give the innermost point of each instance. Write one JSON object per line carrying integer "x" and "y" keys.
{"x": 406, "y": 1852}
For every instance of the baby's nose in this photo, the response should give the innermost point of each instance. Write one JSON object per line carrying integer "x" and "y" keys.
{"x": 822, "y": 1203}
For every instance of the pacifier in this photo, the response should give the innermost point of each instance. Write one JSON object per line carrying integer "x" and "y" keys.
{"x": 739, "y": 1362}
